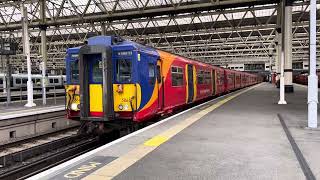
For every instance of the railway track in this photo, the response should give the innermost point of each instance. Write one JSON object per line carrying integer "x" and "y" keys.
{"x": 34, "y": 156}
{"x": 44, "y": 155}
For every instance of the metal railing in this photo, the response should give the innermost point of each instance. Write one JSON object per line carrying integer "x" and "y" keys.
{"x": 19, "y": 94}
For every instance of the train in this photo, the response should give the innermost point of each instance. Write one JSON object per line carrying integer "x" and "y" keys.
{"x": 303, "y": 78}
{"x": 19, "y": 81}
{"x": 111, "y": 79}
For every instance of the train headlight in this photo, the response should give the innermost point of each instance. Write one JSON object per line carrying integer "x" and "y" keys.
{"x": 120, "y": 107}
{"x": 74, "y": 106}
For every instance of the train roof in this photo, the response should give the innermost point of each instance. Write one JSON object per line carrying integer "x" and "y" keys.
{"x": 117, "y": 43}
{"x": 73, "y": 49}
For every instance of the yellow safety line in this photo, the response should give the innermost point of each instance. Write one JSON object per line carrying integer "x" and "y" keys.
{"x": 120, "y": 164}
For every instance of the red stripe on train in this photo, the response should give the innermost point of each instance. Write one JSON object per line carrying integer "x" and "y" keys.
{"x": 96, "y": 114}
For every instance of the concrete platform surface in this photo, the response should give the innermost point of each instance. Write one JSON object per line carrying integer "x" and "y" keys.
{"x": 17, "y": 109}
{"x": 234, "y": 137}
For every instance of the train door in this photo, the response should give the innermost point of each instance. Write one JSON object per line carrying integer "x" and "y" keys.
{"x": 234, "y": 80}
{"x": 190, "y": 83}
{"x": 96, "y": 83}
{"x": 160, "y": 86}
{"x": 213, "y": 78}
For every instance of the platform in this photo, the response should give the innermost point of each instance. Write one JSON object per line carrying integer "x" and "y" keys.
{"x": 17, "y": 109}
{"x": 243, "y": 135}
{"x": 17, "y": 93}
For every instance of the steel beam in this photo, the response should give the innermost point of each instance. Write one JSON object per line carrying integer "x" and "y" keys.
{"x": 148, "y": 12}
{"x": 43, "y": 28}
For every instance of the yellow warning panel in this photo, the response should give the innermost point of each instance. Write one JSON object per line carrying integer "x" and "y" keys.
{"x": 156, "y": 141}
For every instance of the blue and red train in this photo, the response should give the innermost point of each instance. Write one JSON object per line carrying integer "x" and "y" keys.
{"x": 122, "y": 79}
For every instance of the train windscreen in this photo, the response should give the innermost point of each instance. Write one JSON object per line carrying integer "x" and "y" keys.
{"x": 123, "y": 70}
{"x": 74, "y": 71}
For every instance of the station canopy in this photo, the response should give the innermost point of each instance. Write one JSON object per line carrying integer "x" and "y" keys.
{"x": 213, "y": 31}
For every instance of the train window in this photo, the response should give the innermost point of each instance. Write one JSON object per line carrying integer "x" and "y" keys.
{"x": 230, "y": 78}
{"x": 56, "y": 80}
{"x": 158, "y": 74}
{"x": 200, "y": 77}
{"x": 74, "y": 71}
{"x": 97, "y": 72}
{"x": 124, "y": 70}
{"x": 176, "y": 76}
{"x": 221, "y": 78}
{"x": 207, "y": 77}
{"x": 151, "y": 74}
{"x": 18, "y": 81}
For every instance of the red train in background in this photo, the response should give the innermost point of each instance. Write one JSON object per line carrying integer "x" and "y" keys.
{"x": 303, "y": 79}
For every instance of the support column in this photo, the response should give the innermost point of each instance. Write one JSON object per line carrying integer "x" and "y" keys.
{"x": 282, "y": 91}
{"x": 8, "y": 82}
{"x": 278, "y": 55}
{"x": 4, "y": 78}
{"x": 271, "y": 55}
{"x": 43, "y": 28}
{"x": 313, "y": 78}
{"x": 103, "y": 29}
{"x": 288, "y": 46}
{"x": 278, "y": 45}
{"x": 26, "y": 52}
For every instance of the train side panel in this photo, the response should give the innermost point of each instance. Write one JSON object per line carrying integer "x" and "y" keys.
{"x": 237, "y": 80}
{"x": 203, "y": 83}
{"x": 174, "y": 82}
{"x": 229, "y": 80}
{"x": 220, "y": 78}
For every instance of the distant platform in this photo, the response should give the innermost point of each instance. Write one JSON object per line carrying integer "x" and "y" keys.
{"x": 35, "y": 92}
{"x": 243, "y": 135}
{"x": 17, "y": 109}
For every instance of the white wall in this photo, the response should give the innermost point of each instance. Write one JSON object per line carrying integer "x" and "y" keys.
{"x": 306, "y": 65}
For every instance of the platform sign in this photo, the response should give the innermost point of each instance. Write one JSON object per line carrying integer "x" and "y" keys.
{"x": 8, "y": 46}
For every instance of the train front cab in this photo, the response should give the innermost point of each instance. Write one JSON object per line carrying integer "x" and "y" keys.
{"x": 119, "y": 82}
{"x": 72, "y": 87}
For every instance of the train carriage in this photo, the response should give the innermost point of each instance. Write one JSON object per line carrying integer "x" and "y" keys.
{"x": 19, "y": 81}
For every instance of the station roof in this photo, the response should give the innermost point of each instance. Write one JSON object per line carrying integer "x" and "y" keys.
{"x": 213, "y": 31}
